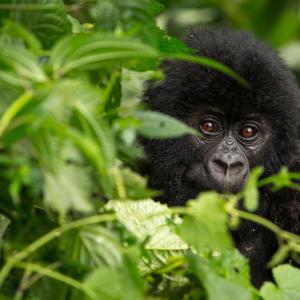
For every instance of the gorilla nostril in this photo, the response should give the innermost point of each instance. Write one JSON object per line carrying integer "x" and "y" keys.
{"x": 236, "y": 167}
{"x": 220, "y": 166}
{"x": 224, "y": 167}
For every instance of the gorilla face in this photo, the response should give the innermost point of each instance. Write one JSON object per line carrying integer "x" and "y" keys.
{"x": 226, "y": 148}
{"x": 241, "y": 127}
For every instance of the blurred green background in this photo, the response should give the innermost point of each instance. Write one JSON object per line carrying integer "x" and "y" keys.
{"x": 277, "y": 22}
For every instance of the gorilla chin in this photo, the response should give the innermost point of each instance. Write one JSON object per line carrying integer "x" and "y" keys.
{"x": 240, "y": 128}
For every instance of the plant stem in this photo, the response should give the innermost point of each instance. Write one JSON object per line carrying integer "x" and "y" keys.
{"x": 121, "y": 190}
{"x": 12, "y": 261}
{"x": 57, "y": 276}
{"x": 13, "y": 110}
{"x": 266, "y": 223}
{"x": 26, "y": 7}
{"x": 211, "y": 63}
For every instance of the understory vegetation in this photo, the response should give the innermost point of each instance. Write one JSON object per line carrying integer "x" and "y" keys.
{"x": 77, "y": 220}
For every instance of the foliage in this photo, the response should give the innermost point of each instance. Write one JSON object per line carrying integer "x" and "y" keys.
{"x": 77, "y": 220}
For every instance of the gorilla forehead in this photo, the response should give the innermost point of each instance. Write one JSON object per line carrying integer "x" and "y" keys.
{"x": 272, "y": 90}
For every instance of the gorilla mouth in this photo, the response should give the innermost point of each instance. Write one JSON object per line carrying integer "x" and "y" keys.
{"x": 202, "y": 180}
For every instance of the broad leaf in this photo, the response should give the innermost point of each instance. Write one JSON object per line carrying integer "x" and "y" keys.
{"x": 216, "y": 287}
{"x": 205, "y": 227}
{"x": 156, "y": 125}
{"x": 150, "y": 220}
{"x": 287, "y": 279}
{"x": 123, "y": 283}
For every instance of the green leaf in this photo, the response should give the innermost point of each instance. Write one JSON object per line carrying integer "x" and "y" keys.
{"x": 290, "y": 53}
{"x": 66, "y": 95}
{"x": 136, "y": 185}
{"x": 67, "y": 188}
{"x": 205, "y": 227}
{"x": 122, "y": 283}
{"x": 103, "y": 135}
{"x": 270, "y": 292}
{"x": 156, "y": 125}
{"x": 18, "y": 31}
{"x": 47, "y": 19}
{"x": 287, "y": 279}
{"x": 21, "y": 61}
{"x": 250, "y": 192}
{"x": 282, "y": 179}
{"x": 92, "y": 246}
{"x": 98, "y": 50}
{"x": 150, "y": 220}
{"x": 216, "y": 287}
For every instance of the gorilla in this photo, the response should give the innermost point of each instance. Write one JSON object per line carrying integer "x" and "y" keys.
{"x": 241, "y": 127}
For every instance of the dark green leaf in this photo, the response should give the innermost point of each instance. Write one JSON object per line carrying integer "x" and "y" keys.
{"x": 156, "y": 125}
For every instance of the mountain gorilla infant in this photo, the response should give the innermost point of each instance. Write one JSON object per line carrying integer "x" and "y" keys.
{"x": 241, "y": 127}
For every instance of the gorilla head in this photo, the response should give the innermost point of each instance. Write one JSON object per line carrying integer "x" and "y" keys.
{"x": 241, "y": 127}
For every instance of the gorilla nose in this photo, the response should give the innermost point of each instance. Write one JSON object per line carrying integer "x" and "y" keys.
{"x": 227, "y": 167}
{"x": 228, "y": 172}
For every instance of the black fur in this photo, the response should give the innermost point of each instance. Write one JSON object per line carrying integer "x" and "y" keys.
{"x": 273, "y": 92}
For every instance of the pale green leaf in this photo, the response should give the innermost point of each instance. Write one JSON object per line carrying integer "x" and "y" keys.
{"x": 150, "y": 220}
{"x": 250, "y": 192}
{"x": 287, "y": 279}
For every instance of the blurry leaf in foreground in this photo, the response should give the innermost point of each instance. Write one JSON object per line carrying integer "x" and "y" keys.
{"x": 48, "y": 24}
{"x": 67, "y": 188}
{"x": 23, "y": 62}
{"x": 136, "y": 185}
{"x": 232, "y": 265}
{"x": 290, "y": 53}
{"x": 250, "y": 192}
{"x": 122, "y": 283}
{"x": 66, "y": 94}
{"x": 91, "y": 246}
{"x": 205, "y": 227}
{"x": 288, "y": 284}
{"x": 159, "y": 126}
{"x": 216, "y": 287}
{"x": 16, "y": 31}
{"x": 282, "y": 179}
{"x": 150, "y": 220}
{"x": 93, "y": 51}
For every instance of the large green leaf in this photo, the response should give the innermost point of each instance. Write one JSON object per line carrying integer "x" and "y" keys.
{"x": 67, "y": 188}
{"x": 205, "y": 227}
{"x": 288, "y": 284}
{"x": 217, "y": 287}
{"x": 123, "y": 283}
{"x": 150, "y": 220}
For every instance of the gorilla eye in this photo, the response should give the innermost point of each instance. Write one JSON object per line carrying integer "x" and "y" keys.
{"x": 210, "y": 127}
{"x": 248, "y": 132}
